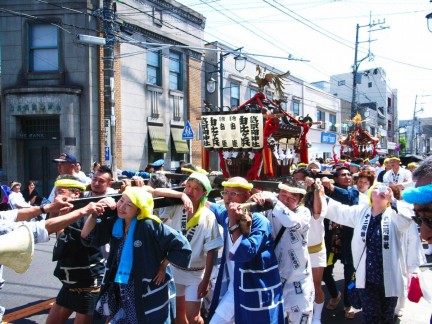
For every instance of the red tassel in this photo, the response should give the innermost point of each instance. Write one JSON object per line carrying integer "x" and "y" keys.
{"x": 253, "y": 172}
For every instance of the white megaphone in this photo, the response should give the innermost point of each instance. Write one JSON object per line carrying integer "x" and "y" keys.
{"x": 16, "y": 249}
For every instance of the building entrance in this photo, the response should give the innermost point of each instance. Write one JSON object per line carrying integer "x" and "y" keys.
{"x": 41, "y": 138}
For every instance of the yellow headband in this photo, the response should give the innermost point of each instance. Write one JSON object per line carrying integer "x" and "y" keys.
{"x": 394, "y": 159}
{"x": 247, "y": 186}
{"x": 201, "y": 170}
{"x": 292, "y": 189}
{"x": 187, "y": 170}
{"x": 70, "y": 183}
{"x": 302, "y": 165}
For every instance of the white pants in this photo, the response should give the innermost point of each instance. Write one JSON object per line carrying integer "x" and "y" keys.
{"x": 224, "y": 313}
{"x": 298, "y": 301}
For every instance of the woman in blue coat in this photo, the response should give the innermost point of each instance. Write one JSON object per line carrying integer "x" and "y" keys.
{"x": 139, "y": 244}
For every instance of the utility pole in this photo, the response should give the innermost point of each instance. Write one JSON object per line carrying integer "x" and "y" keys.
{"x": 413, "y": 127}
{"x": 109, "y": 99}
{"x": 357, "y": 62}
{"x": 414, "y": 133}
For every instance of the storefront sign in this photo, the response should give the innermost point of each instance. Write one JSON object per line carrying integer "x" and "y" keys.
{"x": 328, "y": 138}
{"x": 391, "y": 145}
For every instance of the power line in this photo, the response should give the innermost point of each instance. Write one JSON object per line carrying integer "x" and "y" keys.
{"x": 309, "y": 24}
{"x": 62, "y": 7}
{"x": 247, "y": 28}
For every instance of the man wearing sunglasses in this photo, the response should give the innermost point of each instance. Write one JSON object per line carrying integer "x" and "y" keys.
{"x": 421, "y": 197}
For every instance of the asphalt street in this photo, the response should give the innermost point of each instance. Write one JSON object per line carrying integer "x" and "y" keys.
{"x": 27, "y": 297}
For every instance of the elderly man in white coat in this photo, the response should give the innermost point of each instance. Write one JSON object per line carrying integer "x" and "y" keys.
{"x": 377, "y": 251}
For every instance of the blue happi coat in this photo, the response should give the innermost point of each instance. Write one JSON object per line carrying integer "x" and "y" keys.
{"x": 153, "y": 242}
{"x": 257, "y": 285}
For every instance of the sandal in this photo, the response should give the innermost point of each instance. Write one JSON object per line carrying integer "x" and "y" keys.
{"x": 334, "y": 302}
{"x": 349, "y": 312}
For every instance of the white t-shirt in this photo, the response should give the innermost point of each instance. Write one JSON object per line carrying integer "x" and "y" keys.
{"x": 16, "y": 199}
{"x": 403, "y": 177}
{"x": 9, "y": 224}
{"x": 202, "y": 238}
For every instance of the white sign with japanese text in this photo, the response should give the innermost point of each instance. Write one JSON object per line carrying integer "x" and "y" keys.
{"x": 233, "y": 131}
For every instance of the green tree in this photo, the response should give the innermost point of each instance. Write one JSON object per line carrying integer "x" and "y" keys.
{"x": 402, "y": 145}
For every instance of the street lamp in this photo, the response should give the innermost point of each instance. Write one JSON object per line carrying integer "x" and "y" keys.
{"x": 240, "y": 64}
{"x": 91, "y": 40}
{"x": 429, "y": 21}
{"x": 211, "y": 85}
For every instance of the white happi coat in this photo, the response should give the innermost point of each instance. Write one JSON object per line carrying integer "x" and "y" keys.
{"x": 292, "y": 252}
{"x": 403, "y": 177}
{"x": 392, "y": 226}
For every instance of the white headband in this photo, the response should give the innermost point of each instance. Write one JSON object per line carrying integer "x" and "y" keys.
{"x": 292, "y": 189}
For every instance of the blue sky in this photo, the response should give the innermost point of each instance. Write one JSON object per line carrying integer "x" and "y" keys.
{"x": 323, "y": 32}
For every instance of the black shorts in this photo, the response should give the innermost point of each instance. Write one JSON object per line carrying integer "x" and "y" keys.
{"x": 80, "y": 302}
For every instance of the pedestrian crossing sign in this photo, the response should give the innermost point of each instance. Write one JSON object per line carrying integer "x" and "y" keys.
{"x": 188, "y": 132}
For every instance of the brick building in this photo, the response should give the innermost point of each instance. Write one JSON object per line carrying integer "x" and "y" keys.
{"x": 53, "y": 88}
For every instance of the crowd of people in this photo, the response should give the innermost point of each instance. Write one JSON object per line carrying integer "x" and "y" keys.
{"x": 126, "y": 262}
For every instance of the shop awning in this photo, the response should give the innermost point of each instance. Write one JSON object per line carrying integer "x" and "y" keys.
{"x": 181, "y": 145}
{"x": 157, "y": 137}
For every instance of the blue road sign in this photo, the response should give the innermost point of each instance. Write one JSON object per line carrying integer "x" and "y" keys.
{"x": 188, "y": 132}
{"x": 107, "y": 153}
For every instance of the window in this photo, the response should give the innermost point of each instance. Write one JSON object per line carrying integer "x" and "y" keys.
{"x": 154, "y": 75}
{"x": 175, "y": 77}
{"x": 154, "y": 98}
{"x": 176, "y": 105}
{"x": 44, "y": 48}
{"x": 253, "y": 92}
{"x": 296, "y": 108}
{"x": 321, "y": 117}
{"x": 344, "y": 128}
{"x": 369, "y": 84}
{"x": 269, "y": 95}
{"x": 235, "y": 95}
{"x": 332, "y": 118}
{"x": 341, "y": 83}
{"x": 157, "y": 17}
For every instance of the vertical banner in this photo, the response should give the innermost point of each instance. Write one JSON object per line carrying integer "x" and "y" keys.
{"x": 233, "y": 135}
{"x": 223, "y": 125}
{"x": 215, "y": 131}
{"x": 244, "y": 128}
{"x": 256, "y": 131}
{"x": 107, "y": 141}
{"x": 206, "y": 134}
